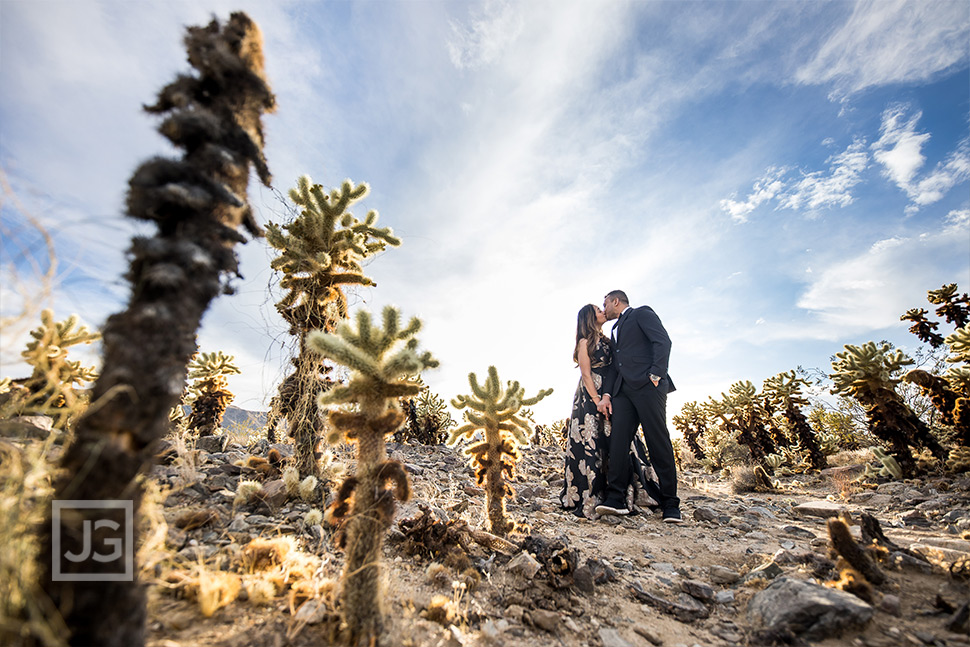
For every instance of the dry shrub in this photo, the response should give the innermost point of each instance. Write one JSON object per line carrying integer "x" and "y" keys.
{"x": 265, "y": 554}
{"x": 25, "y": 492}
{"x": 850, "y": 457}
{"x": 152, "y": 528}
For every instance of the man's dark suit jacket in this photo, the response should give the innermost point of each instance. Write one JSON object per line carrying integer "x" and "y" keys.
{"x": 642, "y": 348}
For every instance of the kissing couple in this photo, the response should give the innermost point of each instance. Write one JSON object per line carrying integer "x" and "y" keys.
{"x": 609, "y": 468}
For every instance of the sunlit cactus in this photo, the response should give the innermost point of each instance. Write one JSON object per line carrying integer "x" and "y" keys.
{"x": 380, "y": 360}
{"x": 870, "y": 373}
{"x": 959, "y": 375}
{"x": 952, "y": 306}
{"x": 692, "y": 423}
{"x": 785, "y": 391}
{"x": 890, "y": 467}
{"x": 50, "y": 387}
{"x": 198, "y": 202}
{"x": 208, "y": 395}
{"x": 494, "y": 410}
{"x": 320, "y": 253}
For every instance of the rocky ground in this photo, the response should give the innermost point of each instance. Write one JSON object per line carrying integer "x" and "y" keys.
{"x": 751, "y": 569}
{"x": 743, "y": 570}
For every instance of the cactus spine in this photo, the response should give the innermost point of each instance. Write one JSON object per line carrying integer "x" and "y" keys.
{"x": 494, "y": 410}
{"x": 197, "y": 202}
{"x": 320, "y": 251}
{"x": 377, "y": 381}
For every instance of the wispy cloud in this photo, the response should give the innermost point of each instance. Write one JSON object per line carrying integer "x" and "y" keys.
{"x": 887, "y": 41}
{"x": 483, "y": 38}
{"x": 871, "y": 290}
{"x": 811, "y": 190}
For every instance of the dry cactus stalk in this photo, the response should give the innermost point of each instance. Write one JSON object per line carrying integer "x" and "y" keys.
{"x": 494, "y": 410}
{"x": 197, "y": 203}
{"x": 379, "y": 371}
{"x": 321, "y": 251}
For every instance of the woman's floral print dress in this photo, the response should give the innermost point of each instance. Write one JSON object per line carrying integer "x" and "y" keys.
{"x": 587, "y": 451}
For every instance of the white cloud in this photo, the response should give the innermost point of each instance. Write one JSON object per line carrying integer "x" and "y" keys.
{"x": 870, "y": 291}
{"x": 887, "y": 41}
{"x": 482, "y": 39}
{"x": 832, "y": 188}
{"x": 899, "y": 150}
{"x": 813, "y": 190}
{"x": 766, "y": 188}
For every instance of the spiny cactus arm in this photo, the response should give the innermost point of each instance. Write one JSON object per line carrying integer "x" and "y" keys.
{"x": 465, "y": 431}
{"x": 959, "y": 343}
{"x": 518, "y": 430}
{"x": 528, "y": 402}
{"x": 343, "y": 351}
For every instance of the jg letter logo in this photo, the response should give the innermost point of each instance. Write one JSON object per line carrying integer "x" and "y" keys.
{"x": 102, "y": 550}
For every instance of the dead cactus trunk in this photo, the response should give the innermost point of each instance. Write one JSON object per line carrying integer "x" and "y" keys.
{"x": 198, "y": 202}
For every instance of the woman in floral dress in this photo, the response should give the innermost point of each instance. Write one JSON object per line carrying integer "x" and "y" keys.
{"x": 588, "y": 431}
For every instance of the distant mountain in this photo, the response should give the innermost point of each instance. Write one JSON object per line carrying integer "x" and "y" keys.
{"x": 237, "y": 419}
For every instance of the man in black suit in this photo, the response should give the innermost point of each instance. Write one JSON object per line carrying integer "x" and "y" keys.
{"x": 634, "y": 393}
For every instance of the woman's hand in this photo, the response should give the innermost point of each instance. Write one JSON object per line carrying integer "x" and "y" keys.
{"x": 605, "y": 405}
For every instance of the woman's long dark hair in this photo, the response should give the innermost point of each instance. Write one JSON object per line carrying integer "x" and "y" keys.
{"x": 587, "y": 328}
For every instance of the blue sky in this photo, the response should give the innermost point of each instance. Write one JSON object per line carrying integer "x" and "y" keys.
{"x": 776, "y": 179}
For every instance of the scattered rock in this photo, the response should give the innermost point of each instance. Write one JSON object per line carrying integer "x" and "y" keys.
{"x": 547, "y": 620}
{"x": 806, "y": 609}
{"x": 611, "y": 638}
{"x": 819, "y": 508}
{"x": 525, "y": 565}
{"x": 686, "y": 609}
{"x": 723, "y": 575}
{"x": 699, "y": 590}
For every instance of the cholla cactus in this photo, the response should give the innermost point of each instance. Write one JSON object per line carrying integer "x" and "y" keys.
{"x": 740, "y": 410}
{"x": 785, "y": 392}
{"x": 209, "y": 395}
{"x": 955, "y": 308}
{"x": 692, "y": 423}
{"x": 427, "y": 419}
{"x": 379, "y": 368}
{"x": 890, "y": 467}
{"x": 869, "y": 373}
{"x": 50, "y": 387}
{"x": 922, "y": 327}
{"x": 320, "y": 251}
{"x": 495, "y": 410}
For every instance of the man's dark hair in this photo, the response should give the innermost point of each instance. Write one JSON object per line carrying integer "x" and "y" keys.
{"x": 618, "y": 294}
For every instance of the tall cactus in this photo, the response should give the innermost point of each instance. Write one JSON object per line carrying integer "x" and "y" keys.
{"x": 209, "y": 394}
{"x": 320, "y": 251}
{"x": 869, "y": 373}
{"x": 197, "y": 203}
{"x": 494, "y": 410}
{"x": 785, "y": 392}
{"x": 379, "y": 370}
